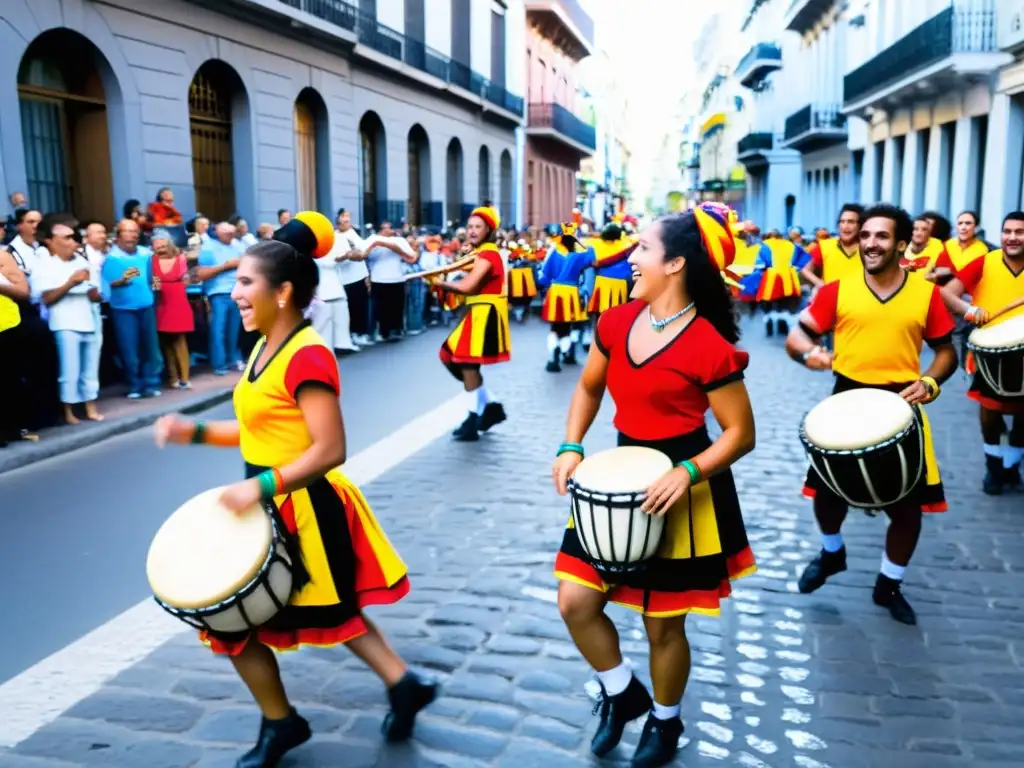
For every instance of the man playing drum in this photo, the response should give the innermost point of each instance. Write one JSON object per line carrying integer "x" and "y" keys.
{"x": 880, "y": 318}
{"x": 665, "y": 358}
{"x": 995, "y": 280}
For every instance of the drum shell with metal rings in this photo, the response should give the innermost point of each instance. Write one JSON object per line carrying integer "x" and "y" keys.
{"x": 876, "y": 475}
{"x": 616, "y": 535}
{"x": 998, "y": 352}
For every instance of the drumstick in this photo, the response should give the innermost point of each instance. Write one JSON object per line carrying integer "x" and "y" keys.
{"x": 1008, "y": 308}
{"x": 453, "y": 267}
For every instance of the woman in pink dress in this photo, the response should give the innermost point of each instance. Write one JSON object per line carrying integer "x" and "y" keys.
{"x": 173, "y": 312}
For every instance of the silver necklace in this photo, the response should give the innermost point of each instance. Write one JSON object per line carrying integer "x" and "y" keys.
{"x": 659, "y": 325}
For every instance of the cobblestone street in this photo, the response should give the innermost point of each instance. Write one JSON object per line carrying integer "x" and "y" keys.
{"x": 781, "y": 679}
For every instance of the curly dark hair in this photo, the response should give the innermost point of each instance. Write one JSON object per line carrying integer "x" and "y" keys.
{"x": 904, "y": 224}
{"x": 681, "y": 236}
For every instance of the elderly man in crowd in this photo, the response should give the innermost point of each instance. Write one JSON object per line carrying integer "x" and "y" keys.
{"x": 128, "y": 271}
{"x": 218, "y": 260}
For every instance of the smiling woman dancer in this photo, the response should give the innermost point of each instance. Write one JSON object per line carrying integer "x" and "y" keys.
{"x": 662, "y": 385}
{"x": 292, "y": 438}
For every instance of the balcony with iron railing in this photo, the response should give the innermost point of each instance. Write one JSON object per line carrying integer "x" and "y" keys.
{"x": 390, "y": 48}
{"x": 802, "y": 15}
{"x": 751, "y": 149}
{"x": 759, "y": 62}
{"x": 555, "y": 122}
{"x": 566, "y": 23}
{"x": 814, "y": 127}
{"x": 935, "y": 57}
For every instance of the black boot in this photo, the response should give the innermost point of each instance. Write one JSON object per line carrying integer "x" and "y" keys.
{"x": 658, "y": 743}
{"x": 887, "y": 594}
{"x": 769, "y": 328}
{"x": 553, "y": 365}
{"x": 276, "y": 738}
{"x": 569, "y": 358}
{"x": 1011, "y": 476}
{"x": 782, "y": 326}
{"x": 494, "y": 413}
{"x": 994, "y": 474}
{"x": 408, "y": 696}
{"x": 468, "y": 431}
{"x": 819, "y": 570}
{"x": 616, "y": 712}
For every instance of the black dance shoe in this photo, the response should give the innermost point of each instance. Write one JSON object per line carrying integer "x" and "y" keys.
{"x": 820, "y": 569}
{"x": 887, "y": 594}
{"x": 553, "y": 365}
{"x": 782, "y": 327}
{"x": 616, "y": 712}
{"x": 468, "y": 431}
{"x": 569, "y": 358}
{"x": 769, "y": 328}
{"x": 494, "y": 414}
{"x": 277, "y": 737}
{"x": 992, "y": 485}
{"x": 408, "y": 696}
{"x": 658, "y": 743}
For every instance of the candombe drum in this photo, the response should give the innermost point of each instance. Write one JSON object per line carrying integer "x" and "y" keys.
{"x": 606, "y": 493}
{"x": 998, "y": 352}
{"x": 220, "y": 570}
{"x": 867, "y": 445}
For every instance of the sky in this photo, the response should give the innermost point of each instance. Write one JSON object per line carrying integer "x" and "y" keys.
{"x": 650, "y": 42}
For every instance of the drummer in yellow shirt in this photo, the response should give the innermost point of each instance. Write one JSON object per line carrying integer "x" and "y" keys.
{"x": 837, "y": 256}
{"x": 994, "y": 280}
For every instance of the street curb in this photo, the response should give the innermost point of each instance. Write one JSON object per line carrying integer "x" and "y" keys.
{"x": 74, "y": 439}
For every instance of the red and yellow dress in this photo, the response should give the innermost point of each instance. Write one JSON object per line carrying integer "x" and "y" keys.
{"x": 992, "y": 284}
{"x": 612, "y": 272}
{"x": 960, "y": 256}
{"x": 932, "y": 256}
{"x": 834, "y": 262}
{"x": 522, "y": 283}
{"x": 780, "y": 277}
{"x": 661, "y": 403}
{"x": 348, "y": 559}
{"x": 482, "y": 336}
{"x": 878, "y": 344}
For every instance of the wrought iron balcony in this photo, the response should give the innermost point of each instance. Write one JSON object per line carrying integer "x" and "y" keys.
{"x": 802, "y": 15}
{"x": 755, "y": 5}
{"x": 759, "y": 62}
{"x": 946, "y": 48}
{"x": 379, "y": 38}
{"x": 750, "y": 150}
{"x": 565, "y": 23}
{"x": 814, "y": 127}
{"x": 557, "y": 122}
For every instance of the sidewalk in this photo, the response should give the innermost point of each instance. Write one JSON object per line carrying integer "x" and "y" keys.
{"x": 121, "y": 415}
{"x": 781, "y": 679}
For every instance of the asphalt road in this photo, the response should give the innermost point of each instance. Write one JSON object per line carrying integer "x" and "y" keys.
{"x": 76, "y": 527}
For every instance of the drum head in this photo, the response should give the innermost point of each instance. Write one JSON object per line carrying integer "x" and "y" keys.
{"x": 1002, "y": 335}
{"x": 629, "y": 469}
{"x": 857, "y": 419}
{"x": 204, "y": 553}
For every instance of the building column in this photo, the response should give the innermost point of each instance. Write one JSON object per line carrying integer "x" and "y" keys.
{"x": 908, "y": 184}
{"x": 964, "y": 176}
{"x": 1004, "y": 151}
{"x": 936, "y": 187}
{"x": 889, "y": 180}
{"x": 868, "y": 175}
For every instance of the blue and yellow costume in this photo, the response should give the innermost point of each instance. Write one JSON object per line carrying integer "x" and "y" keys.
{"x": 522, "y": 280}
{"x": 564, "y": 266}
{"x": 775, "y": 281}
{"x": 611, "y": 284}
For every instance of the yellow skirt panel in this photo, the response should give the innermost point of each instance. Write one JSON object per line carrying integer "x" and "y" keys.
{"x": 521, "y": 284}
{"x": 562, "y": 305}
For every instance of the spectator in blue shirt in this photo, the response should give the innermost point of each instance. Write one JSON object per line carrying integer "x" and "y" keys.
{"x": 128, "y": 271}
{"x": 218, "y": 261}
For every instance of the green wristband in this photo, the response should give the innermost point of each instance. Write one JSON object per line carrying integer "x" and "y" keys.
{"x": 199, "y": 434}
{"x": 268, "y": 484}
{"x": 691, "y": 470}
{"x": 570, "y": 448}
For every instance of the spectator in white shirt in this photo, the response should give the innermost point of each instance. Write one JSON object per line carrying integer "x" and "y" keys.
{"x": 330, "y": 306}
{"x": 388, "y": 255}
{"x": 351, "y": 258}
{"x": 242, "y": 232}
{"x": 66, "y": 283}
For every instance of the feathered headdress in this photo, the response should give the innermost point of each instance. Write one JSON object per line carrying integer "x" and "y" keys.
{"x": 715, "y": 232}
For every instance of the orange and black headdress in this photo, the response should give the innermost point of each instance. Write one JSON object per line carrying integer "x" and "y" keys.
{"x": 310, "y": 233}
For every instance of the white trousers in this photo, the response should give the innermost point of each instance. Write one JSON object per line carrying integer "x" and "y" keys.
{"x": 330, "y": 320}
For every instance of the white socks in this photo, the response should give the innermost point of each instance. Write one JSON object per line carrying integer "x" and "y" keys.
{"x": 892, "y": 571}
{"x": 994, "y": 450}
{"x": 574, "y": 336}
{"x": 661, "y": 712}
{"x": 1012, "y": 455}
{"x": 832, "y": 542}
{"x": 552, "y": 341}
{"x": 477, "y": 399}
{"x": 471, "y": 400}
{"x": 616, "y": 679}
{"x": 565, "y": 344}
